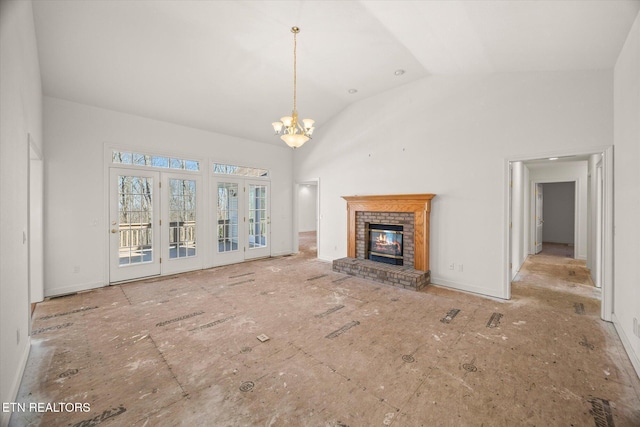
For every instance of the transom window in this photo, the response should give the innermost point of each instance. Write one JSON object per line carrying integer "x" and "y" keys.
{"x": 150, "y": 160}
{"x": 225, "y": 169}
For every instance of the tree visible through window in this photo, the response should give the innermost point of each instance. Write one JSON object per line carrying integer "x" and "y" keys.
{"x": 149, "y": 160}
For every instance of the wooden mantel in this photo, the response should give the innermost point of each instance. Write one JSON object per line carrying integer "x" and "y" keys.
{"x": 418, "y": 204}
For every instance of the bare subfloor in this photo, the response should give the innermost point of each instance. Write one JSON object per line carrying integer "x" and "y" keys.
{"x": 342, "y": 351}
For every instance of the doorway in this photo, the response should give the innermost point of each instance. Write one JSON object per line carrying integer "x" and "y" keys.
{"x": 153, "y": 219}
{"x": 242, "y": 218}
{"x": 307, "y": 218}
{"x": 521, "y": 198}
{"x": 556, "y": 218}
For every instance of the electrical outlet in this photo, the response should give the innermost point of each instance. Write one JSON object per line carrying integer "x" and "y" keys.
{"x": 460, "y": 267}
{"x": 452, "y": 265}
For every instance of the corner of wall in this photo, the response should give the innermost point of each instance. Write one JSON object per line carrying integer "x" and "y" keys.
{"x": 16, "y": 380}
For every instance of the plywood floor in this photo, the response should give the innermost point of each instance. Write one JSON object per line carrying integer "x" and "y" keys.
{"x": 341, "y": 351}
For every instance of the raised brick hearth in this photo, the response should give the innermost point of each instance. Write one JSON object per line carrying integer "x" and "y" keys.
{"x": 395, "y": 275}
{"x": 412, "y": 213}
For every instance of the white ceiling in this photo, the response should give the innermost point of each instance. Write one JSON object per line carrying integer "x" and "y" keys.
{"x": 227, "y": 66}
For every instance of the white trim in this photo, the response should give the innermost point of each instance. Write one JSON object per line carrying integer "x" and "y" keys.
{"x": 608, "y": 284}
{"x": 296, "y": 212}
{"x": 17, "y": 379}
{"x": 506, "y": 254}
{"x": 608, "y": 225}
{"x": 563, "y": 153}
{"x": 66, "y": 290}
{"x": 576, "y": 212}
{"x": 295, "y": 226}
{"x": 36, "y": 150}
{"x": 476, "y": 290}
{"x": 145, "y": 152}
{"x": 273, "y": 255}
{"x": 626, "y": 343}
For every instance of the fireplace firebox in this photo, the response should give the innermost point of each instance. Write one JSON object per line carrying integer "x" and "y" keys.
{"x": 384, "y": 243}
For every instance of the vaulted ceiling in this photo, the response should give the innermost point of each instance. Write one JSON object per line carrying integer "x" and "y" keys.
{"x": 227, "y": 66}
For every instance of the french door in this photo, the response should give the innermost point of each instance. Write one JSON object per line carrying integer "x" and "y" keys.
{"x": 134, "y": 210}
{"x": 242, "y": 220}
{"x": 153, "y": 223}
{"x": 180, "y": 229}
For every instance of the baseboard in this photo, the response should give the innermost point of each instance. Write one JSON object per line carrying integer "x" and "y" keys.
{"x": 73, "y": 288}
{"x": 635, "y": 359}
{"x": 321, "y": 258}
{"x": 483, "y": 292}
{"x": 15, "y": 384}
{"x": 282, "y": 253}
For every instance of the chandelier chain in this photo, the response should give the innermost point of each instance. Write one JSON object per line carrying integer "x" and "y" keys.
{"x": 294, "y": 70}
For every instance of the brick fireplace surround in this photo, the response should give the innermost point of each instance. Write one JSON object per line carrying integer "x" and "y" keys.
{"x": 409, "y": 210}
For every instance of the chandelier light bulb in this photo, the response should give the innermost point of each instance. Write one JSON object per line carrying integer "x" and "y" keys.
{"x": 308, "y": 123}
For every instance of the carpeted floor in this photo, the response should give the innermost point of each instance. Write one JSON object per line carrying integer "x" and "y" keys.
{"x": 287, "y": 342}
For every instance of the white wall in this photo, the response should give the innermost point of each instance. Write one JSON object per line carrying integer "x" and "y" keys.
{"x": 307, "y": 207}
{"x": 75, "y": 183}
{"x": 451, "y": 135}
{"x": 559, "y": 212}
{"x": 627, "y": 196}
{"x": 20, "y": 116}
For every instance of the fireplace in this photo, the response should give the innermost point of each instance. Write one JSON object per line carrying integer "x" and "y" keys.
{"x": 384, "y": 243}
{"x": 395, "y": 230}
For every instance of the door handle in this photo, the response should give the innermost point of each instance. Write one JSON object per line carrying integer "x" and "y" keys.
{"x": 113, "y": 230}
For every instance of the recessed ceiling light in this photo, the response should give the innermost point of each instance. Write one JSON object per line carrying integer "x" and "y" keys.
{"x": 399, "y": 72}
{"x": 353, "y": 90}
{"x": 553, "y": 158}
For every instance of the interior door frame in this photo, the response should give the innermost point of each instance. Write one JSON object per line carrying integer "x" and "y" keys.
{"x": 576, "y": 211}
{"x": 296, "y": 212}
{"x": 599, "y": 241}
{"x": 538, "y": 217}
{"x": 608, "y": 284}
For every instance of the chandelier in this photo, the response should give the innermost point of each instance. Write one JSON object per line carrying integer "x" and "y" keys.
{"x": 294, "y": 134}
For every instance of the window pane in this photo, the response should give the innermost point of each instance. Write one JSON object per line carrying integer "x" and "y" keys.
{"x": 257, "y": 216}
{"x": 182, "y": 217}
{"x": 239, "y": 170}
{"x": 120, "y": 157}
{"x": 176, "y": 164}
{"x": 227, "y": 214}
{"x": 141, "y": 159}
{"x": 134, "y": 209}
{"x": 191, "y": 165}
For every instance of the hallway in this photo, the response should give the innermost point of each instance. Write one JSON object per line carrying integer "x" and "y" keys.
{"x": 555, "y": 269}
